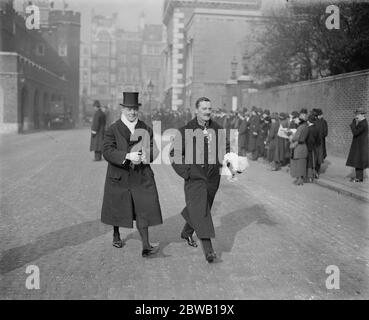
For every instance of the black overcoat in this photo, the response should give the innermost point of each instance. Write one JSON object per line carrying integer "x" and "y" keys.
{"x": 130, "y": 191}
{"x": 201, "y": 180}
{"x": 358, "y": 156}
{"x": 254, "y": 127}
{"x": 98, "y": 125}
{"x": 242, "y": 138}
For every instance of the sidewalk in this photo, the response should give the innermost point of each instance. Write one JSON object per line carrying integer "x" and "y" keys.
{"x": 336, "y": 176}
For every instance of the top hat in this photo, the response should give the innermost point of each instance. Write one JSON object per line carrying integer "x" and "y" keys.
{"x": 97, "y": 104}
{"x": 360, "y": 111}
{"x": 130, "y": 100}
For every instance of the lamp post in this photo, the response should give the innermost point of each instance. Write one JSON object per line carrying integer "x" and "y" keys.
{"x": 150, "y": 89}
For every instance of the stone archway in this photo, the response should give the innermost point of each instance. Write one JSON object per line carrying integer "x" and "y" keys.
{"x": 36, "y": 110}
{"x": 45, "y": 110}
{"x": 23, "y": 110}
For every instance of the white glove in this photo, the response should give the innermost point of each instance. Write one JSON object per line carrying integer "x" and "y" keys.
{"x": 134, "y": 157}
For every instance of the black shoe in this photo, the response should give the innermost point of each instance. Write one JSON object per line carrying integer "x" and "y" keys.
{"x": 117, "y": 241}
{"x": 190, "y": 241}
{"x": 210, "y": 257}
{"x": 149, "y": 252}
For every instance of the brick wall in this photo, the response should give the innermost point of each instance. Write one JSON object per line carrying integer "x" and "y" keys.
{"x": 338, "y": 97}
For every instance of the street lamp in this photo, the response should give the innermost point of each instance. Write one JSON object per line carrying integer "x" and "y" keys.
{"x": 234, "y": 65}
{"x": 150, "y": 89}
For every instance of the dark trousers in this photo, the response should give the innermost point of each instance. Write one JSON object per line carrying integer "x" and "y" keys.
{"x": 359, "y": 173}
{"x": 98, "y": 155}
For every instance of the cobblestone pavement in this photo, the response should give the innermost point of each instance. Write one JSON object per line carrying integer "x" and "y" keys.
{"x": 275, "y": 240}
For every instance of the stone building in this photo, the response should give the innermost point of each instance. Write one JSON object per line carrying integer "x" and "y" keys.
{"x": 37, "y": 67}
{"x": 152, "y": 64}
{"x": 203, "y": 39}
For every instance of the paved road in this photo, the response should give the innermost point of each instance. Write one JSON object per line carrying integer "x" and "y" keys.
{"x": 274, "y": 239}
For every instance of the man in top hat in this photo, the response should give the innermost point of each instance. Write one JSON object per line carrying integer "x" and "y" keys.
{"x": 97, "y": 131}
{"x": 358, "y": 156}
{"x": 197, "y": 153}
{"x": 130, "y": 191}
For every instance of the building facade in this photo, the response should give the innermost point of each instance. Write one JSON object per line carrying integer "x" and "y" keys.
{"x": 203, "y": 38}
{"x": 37, "y": 67}
{"x": 115, "y": 60}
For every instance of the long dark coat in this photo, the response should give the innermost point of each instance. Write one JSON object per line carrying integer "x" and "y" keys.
{"x": 282, "y": 150}
{"x": 358, "y": 156}
{"x": 242, "y": 138}
{"x": 322, "y": 127}
{"x": 130, "y": 192}
{"x": 313, "y": 143}
{"x": 254, "y": 126}
{"x": 201, "y": 180}
{"x": 98, "y": 125}
{"x": 300, "y": 152}
{"x": 272, "y": 141}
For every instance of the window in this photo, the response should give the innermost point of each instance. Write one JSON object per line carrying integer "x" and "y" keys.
{"x": 102, "y": 90}
{"x": 40, "y": 49}
{"x": 85, "y": 75}
{"x": 85, "y": 51}
{"x": 85, "y": 63}
{"x": 62, "y": 50}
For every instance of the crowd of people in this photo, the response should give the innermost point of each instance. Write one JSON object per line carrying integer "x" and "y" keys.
{"x": 295, "y": 139}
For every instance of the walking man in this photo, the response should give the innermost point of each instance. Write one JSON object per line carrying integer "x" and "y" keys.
{"x": 358, "y": 156}
{"x": 97, "y": 131}
{"x": 200, "y": 139}
{"x": 130, "y": 191}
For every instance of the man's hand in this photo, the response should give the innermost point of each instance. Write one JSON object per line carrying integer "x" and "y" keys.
{"x": 134, "y": 157}
{"x": 93, "y": 133}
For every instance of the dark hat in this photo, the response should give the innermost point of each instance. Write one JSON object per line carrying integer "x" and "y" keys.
{"x": 254, "y": 109}
{"x": 360, "y": 111}
{"x": 311, "y": 118}
{"x": 319, "y": 112}
{"x": 97, "y": 104}
{"x": 274, "y": 115}
{"x": 130, "y": 100}
{"x": 314, "y": 112}
{"x": 282, "y": 116}
{"x": 294, "y": 114}
{"x": 267, "y": 112}
{"x": 304, "y": 111}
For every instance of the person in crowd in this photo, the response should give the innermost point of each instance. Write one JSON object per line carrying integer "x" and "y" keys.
{"x": 97, "y": 131}
{"x": 261, "y": 139}
{"x": 130, "y": 192}
{"x": 322, "y": 126}
{"x": 271, "y": 142}
{"x": 201, "y": 179}
{"x": 299, "y": 151}
{"x": 313, "y": 143}
{"x": 254, "y": 130}
{"x": 282, "y": 146}
{"x": 358, "y": 155}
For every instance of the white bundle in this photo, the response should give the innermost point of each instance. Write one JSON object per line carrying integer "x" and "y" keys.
{"x": 232, "y": 164}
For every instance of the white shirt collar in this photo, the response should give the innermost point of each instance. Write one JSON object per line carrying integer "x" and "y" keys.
{"x": 130, "y": 125}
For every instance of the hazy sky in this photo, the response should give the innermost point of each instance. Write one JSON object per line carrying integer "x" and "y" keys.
{"x": 128, "y": 10}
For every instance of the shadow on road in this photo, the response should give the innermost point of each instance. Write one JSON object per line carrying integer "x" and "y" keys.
{"x": 225, "y": 234}
{"x": 70, "y": 236}
{"x": 166, "y": 234}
